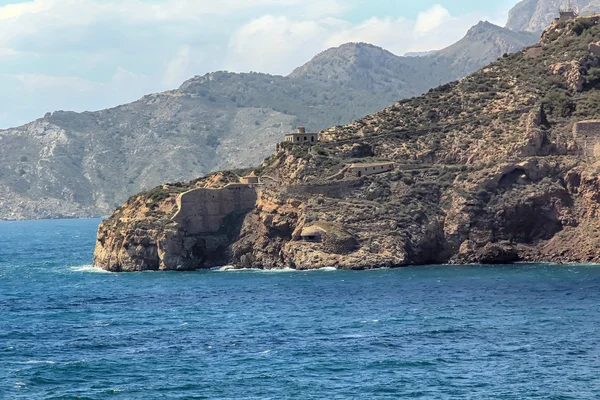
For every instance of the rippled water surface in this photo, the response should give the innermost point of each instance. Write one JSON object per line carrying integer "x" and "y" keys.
{"x": 68, "y": 331}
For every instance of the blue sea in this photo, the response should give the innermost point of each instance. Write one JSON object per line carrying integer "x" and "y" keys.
{"x": 69, "y": 331}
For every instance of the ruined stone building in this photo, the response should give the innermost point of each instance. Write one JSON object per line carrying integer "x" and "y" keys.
{"x": 314, "y": 233}
{"x": 204, "y": 210}
{"x": 301, "y": 136}
{"x": 251, "y": 179}
{"x": 334, "y": 238}
{"x": 587, "y": 137}
{"x": 567, "y": 13}
{"x": 371, "y": 169}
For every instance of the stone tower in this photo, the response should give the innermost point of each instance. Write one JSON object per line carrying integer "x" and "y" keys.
{"x": 568, "y": 13}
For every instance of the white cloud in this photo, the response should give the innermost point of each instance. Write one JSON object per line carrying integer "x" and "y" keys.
{"x": 431, "y": 19}
{"x": 89, "y": 54}
{"x": 392, "y": 34}
{"x": 7, "y": 52}
{"x": 39, "y": 93}
{"x": 72, "y": 84}
{"x": 177, "y": 69}
{"x": 275, "y": 44}
{"x": 17, "y": 10}
{"x": 168, "y": 10}
{"x": 278, "y": 44}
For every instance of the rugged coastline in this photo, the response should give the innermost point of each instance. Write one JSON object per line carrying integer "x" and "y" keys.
{"x": 499, "y": 167}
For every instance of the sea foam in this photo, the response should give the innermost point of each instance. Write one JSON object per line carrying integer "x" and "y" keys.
{"x": 90, "y": 268}
{"x": 230, "y": 268}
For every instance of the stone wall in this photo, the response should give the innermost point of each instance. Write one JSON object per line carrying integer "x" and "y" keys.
{"x": 203, "y": 210}
{"x": 371, "y": 169}
{"x": 587, "y": 136}
{"x": 336, "y": 190}
{"x": 300, "y": 138}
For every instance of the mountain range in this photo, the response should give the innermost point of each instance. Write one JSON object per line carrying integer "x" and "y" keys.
{"x": 69, "y": 164}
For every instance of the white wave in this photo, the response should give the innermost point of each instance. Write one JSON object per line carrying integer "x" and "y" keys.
{"x": 277, "y": 271}
{"x": 271, "y": 271}
{"x": 39, "y": 362}
{"x": 101, "y": 323}
{"x": 230, "y": 268}
{"x": 90, "y": 268}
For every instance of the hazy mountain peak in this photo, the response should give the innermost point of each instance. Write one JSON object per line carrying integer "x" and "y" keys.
{"x": 419, "y": 53}
{"x": 344, "y": 61}
{"x": 482, "y": 43}
{"x": 482, "y": 27}
{"x": 536, "y": 15}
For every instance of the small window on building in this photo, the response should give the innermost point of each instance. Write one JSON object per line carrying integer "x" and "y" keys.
{"x": 312, "y": 139}
{"x": 305, "y": 138}
{"x": 298, "y": 139}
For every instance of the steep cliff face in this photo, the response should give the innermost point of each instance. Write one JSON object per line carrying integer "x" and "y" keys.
{"x": 487, "y": 170}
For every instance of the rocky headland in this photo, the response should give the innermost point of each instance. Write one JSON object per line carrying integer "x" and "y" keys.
{"x": 498, "y": 167}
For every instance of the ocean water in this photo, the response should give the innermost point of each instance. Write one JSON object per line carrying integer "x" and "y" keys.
{"x": 68, "y": 331}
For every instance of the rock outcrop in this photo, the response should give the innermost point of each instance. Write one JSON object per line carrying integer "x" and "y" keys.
{"x": 487, "y": 170}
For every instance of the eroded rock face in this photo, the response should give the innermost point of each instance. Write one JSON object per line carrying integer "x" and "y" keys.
{"x": 500, "y": 214}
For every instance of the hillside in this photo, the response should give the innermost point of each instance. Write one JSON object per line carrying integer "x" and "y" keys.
{"x": 487, "y": 170}
{"x": 85, "y": 164}
{"x": 536, "y": 15}
{"x": 483, "y": 43}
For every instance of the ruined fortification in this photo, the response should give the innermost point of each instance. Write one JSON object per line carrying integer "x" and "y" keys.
{"x": 478, "y": 179}
{"x": 587, "y": 137}
{"x": 203, "y": 210}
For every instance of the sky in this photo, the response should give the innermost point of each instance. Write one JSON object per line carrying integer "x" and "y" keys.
{"x": 93, "y": 54}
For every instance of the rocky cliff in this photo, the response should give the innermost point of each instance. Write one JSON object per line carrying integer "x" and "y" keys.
{"x": 86, "y": 164}
{"x": 487, "y": 170}
{"x": 536, "y": 15}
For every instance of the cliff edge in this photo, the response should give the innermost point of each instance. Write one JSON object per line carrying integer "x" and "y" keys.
{"x": 499, "y": 167}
